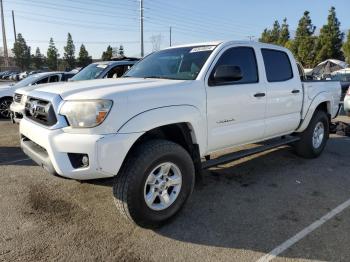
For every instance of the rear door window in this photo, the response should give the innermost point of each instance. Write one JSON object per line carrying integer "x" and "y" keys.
{"x": 277, "y": 65}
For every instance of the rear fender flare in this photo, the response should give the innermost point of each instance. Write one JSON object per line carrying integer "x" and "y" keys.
{"x": 319, "y": 99}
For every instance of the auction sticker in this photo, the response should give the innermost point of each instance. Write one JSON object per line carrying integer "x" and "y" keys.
{"x": 203, "y": 48}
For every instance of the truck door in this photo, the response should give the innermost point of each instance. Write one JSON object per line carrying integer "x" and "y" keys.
{"x": 284, "y": 93}
{"x": 235, "y": 109}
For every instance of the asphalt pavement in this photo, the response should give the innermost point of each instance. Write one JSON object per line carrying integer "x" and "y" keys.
{"x": 238, "y": 212}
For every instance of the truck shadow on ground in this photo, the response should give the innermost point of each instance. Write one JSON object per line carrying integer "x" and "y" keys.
{"x": 259, "y": 202}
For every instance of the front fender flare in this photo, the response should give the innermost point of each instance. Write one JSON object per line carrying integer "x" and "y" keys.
{"x": 157, "y": 117}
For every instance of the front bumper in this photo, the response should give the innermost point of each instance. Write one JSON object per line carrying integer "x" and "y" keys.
{"x": 50, "y": 148}
{"x": 17, "y": 112}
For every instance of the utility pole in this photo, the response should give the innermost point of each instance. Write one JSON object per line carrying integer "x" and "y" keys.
{"x": 6, "y": 55}
{"x": 14, "y": 25}
{"x": 141, "y": 28}
{"x": 170, "y": 36}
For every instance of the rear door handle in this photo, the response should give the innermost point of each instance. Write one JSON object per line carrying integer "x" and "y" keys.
{"x": 259, "y": 94}
{"x": 296, "y": 91}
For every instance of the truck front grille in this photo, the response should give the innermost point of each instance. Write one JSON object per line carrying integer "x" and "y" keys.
{"x": 40, "y": 111}
{"x": 17, "y": 98}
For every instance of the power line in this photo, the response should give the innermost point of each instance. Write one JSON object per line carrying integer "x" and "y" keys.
{"x": 61, "y": 23}
{"x": 82, "y": 41}
{"x": 70, "y": 8}
{"x": 64, "y": 19}
{"x": 191, "y": 16}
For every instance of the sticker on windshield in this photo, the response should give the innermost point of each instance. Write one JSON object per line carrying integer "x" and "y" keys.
{"x": 102, "y": 66}
{"x": 203, "y": 48}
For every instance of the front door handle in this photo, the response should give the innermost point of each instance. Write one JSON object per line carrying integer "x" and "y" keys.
{"x": 296, "y": 91}
{"x": 259, "y": 94}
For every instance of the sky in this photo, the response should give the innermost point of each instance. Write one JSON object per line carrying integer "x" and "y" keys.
{"x": 97, "y": 24}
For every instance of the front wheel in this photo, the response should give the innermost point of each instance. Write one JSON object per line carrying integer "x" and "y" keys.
{"x": 314, "y": 138}
{"x": 5, "y": 111}
{"x": 154, "y": 183}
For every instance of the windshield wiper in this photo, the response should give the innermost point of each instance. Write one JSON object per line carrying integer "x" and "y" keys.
{"x": 161, "y": 77}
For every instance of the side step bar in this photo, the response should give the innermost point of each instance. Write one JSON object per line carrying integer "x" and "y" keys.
{"x": 270, "y": 144}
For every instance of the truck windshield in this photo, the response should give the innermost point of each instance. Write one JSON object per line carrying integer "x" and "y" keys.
{"x": 182, "y": 63}
{"x": 92, "y": 71}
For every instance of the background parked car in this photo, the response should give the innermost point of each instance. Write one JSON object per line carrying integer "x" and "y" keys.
{"x": 344, "y": 77}
{"x": 23, "y": 75}
{"x": 7, "y": 92}
{"x": 8, "y": 74}
{"x": 347, "y": 102}
{"x": 106, "y": 69}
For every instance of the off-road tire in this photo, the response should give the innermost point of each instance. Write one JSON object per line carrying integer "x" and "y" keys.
{"x": 304, "y": 147}
{"x": 128, "y": 187}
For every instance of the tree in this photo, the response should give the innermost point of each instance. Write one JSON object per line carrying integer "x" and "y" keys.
{"x": 271, "y": 36}
{"x": 346, "y": 48}
{"x": 69, "y": 51}
{"x": 303, "y": 45}
{"x": 265, "y": 36}
{"x": 275, "y": 32}
{"x": 84, "y": 59}
{"x": 121, "y": 50}
{"x": 330, "y": 40}
{"x": 284, "y": 34}
{"x": 107, "y": 55}
{"x": 278, "y": 35}
{"x": 38, "y": 59}
{"x": 52, "y": 55}
{"x": 21, "y": 53}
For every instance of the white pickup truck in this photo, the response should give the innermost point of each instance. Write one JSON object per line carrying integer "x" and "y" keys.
{"x": 156, "y": 128}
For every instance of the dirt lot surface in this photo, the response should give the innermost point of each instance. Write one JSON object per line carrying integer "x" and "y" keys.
{"x": 238, "y": 212}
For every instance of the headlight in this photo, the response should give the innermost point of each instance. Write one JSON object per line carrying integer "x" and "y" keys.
{"x": 87, "y": 113}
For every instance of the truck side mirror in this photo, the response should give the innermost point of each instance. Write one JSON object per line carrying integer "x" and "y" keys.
{"x": 227, "y": 73}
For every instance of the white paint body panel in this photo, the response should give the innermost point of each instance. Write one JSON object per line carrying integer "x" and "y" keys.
{"x": 347, "y": 103}
{"x": 219, "y": 117}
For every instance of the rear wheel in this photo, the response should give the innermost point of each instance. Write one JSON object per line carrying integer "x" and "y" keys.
{"x": 154, "y": 183}
{"x": 5, "y": 107}
{"x": 313, "y": 140}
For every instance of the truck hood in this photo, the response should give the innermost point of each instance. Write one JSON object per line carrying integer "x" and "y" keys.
{"x": 25, "y": 90}
{"x": 5, "y": 87}
{"x": 104, "y": 88}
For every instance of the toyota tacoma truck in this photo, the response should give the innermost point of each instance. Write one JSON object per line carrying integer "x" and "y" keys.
{"x": 158, "y": 126}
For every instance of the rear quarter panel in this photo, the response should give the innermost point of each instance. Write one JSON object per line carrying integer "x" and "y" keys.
{"x": 315, "y": 93}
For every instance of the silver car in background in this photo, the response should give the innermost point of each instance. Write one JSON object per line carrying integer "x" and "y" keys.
{"x": 347, "y": 102}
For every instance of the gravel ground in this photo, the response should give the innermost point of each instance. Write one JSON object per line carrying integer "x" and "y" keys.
{"x": 238, "y": 212}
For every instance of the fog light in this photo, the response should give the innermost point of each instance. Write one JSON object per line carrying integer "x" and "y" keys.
{"x": 85, "y": 161}
{"x": 78, "y": 160}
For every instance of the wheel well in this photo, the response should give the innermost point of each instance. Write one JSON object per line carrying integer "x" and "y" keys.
{"x": 325, "y": 107}
{"x": 180, "y": 133}
{"x": 5, "y": 97}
